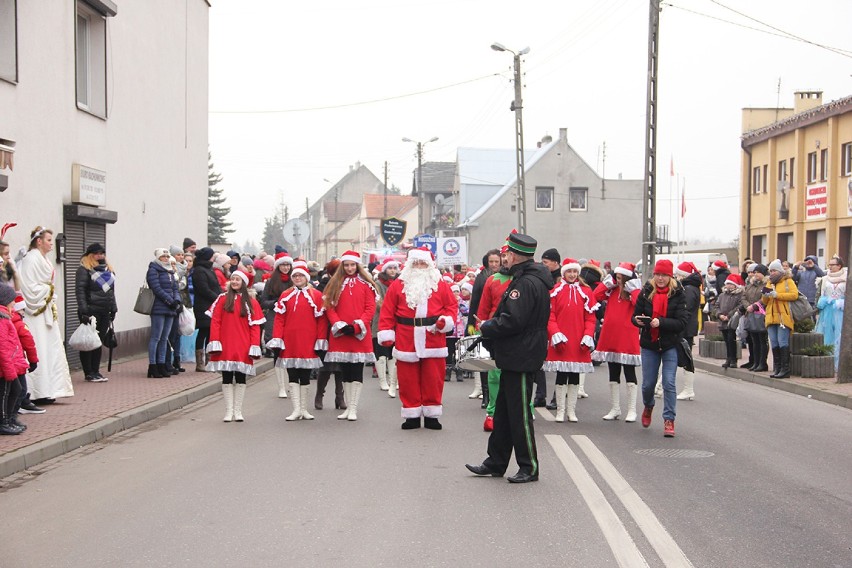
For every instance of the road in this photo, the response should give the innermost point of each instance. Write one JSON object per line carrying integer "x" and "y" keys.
{"x": 755, "y": 477}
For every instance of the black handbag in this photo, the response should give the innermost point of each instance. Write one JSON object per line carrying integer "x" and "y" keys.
{"x": 684, "y": 356}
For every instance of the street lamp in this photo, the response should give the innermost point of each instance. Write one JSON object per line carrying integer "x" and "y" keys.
{"x": 517, "y": 106}
{"x": 419, "y": 191}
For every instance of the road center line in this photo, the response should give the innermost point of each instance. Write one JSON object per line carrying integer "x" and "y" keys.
{"x": 663, "y": 543}
{"x": 626, "y": 552}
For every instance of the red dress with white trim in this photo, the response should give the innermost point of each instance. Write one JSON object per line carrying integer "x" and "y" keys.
{"x": 572, "y": 314}
{"x": 234, "y": 339}
{"x": 356, "y": 306}
{"x": 300, "y": 328}
{"x": 619, "y": 338}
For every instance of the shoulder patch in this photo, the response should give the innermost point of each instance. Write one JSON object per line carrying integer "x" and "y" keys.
{"x": 514, "y": 294}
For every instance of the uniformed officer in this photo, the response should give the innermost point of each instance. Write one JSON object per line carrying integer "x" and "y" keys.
{"x": 517, "y": 338}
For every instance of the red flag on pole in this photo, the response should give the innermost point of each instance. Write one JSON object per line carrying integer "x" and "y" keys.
{"x": 683, "y": 200}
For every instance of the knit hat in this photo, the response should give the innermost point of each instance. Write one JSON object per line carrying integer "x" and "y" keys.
{"x": 233, "y": 254}
{"x": 751, "y": 267}
{"x": 685, "y": 269}
{"x": 174, "y": 249}
{"x": 282, "y": 258}
{"x": 569, "y": 264}
{"x": 551, "y": 254}
{"x": 187, "y": 242}
{"x": 734, "y": 279}
{"x": 204, "y": 254}
{"x": 664, "y": 266}
{"x": 242, "y": 275}
{"x": 522, "y": 244}
{"x": 220, "y": 259}
{"x": 776, "y": 265}
{"x": 300, "y": 267}
{"x": 352, "y": 256}
{"x": 95, "y": 248}
{"x": 246, "y": 261}
{"x": 762, "y": 269}
{"x": 626, "y": 269}
{"x": 7, "y": 295}
{"x": 161, "y": 252}
{"x": 279, "y": 248}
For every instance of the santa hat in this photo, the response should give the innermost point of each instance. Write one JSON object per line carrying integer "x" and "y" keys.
{"x": 282, "y": 258}
{"x": 242, "y": 275}
{"x": 421, "y": 253}
{"x": 685, "y": 269}
{"x": 467, "y": 286}
{"x": 389, "y": 264}
{"x": 594, "y": 262}
{"x": 734, "y": 279}
{"x": 570, "y": 264}
{"x": 448, "y": 279}
{"x": 20, "y": 304}
{"x": 455, "y": 288}
{"x": 625, "y": 269}
{"x": 300, "y": 267}
{"x": 260, "y": 264}
{"x": 352, "y": 256}
{"x": 720, "y": 264}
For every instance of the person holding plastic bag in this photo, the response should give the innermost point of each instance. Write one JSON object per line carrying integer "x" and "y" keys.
{"x": 95, "y": 292}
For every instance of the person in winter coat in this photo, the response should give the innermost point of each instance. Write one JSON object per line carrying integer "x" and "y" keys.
{"x": 299, "y": 334}
{"x": 661, "y": 317}
{"x": 832, "y": 298}
{"x": 328, "y": 369}
{"x": 722, "y": 273}
{"x": 777, "y": 295}
{"x": 221, "y": 268}
{"x": 277, "y": 283}
{"x": 350, "y": 300}
{"x": 618, "y": 344}
{"x": 95, "y": 291}
{"x": 167, "y": 305}
{"x": 728, "y": 311}
{"x": 571, "y": 330}
{"x": 205, "y": 288}
{"x": 13, "y": 364}
{"x": 491, "y": 262}
{"x": 690, "y": 278}
{"x": 805, "y": 274}
{"x": 236, "y": 322}
{"x": 385, "y": 363}
{"x": 180, "y": 267}
{"x": 755, "y": 318}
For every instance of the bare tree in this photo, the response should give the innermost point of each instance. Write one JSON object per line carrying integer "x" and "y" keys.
{"x": 844, "y": 371}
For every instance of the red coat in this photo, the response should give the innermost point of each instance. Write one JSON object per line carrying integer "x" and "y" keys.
{"x": 12, "y": 362}
{"x": 356, "y": 306}
{"x": 492, "y": 292}
{"x": 220, "y": 277}
{"x": 300, "y": 329}
{"x": 619, "y": 338}
{"x": 234, "y": 339}
{"x": 572, "y": 313}
{"x": 421, "y": 342}
{"x": 27, "y": 341}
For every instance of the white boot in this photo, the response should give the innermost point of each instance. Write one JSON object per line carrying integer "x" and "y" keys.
{"x": 477, "y": 387}
{"x": 303, "y": 402}
{"x": 228, "y": 395}
{"x": 393, "y": 382}
{"x": 296, "y": 399}
{"x": 239, "y": 395}
{"x": 353, "y": 405}
{"x": 688, "y": 382}
{"x": 581, "y": 393}
{"x": 283, "y": 381}
{"x": 382, "y": 370}
{"x": 615, "y": 411}
{"x": 561, "y": 391}
{"x": 632, "y": 389}
{"x": 347, "y": 398}
{"x": 658, "y": 390}
{"x": 571, "y": 403}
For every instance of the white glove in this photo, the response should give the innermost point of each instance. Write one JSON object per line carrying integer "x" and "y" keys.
{"x": 558, "y": 338}
{"x": 633, "y": 284}
{"x": 609, "y": 282}
{"x": 588, "y": 341}
{"x": 773, "y": 294}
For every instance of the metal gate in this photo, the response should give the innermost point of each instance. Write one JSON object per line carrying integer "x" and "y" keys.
{"x": 78, "y": 236}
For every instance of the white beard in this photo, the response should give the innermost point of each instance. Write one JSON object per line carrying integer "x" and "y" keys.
{"x": 418, "y": 284}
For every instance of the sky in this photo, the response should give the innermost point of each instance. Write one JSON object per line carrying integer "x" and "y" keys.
{"x": 301, "y": 91}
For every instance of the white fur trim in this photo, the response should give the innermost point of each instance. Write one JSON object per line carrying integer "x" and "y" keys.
{"x": 346, "y": 257}
{"x": 255, "y": 351}
{"x": 623, "y": 271}
{"x": 413, "y": 357}
{"x": 558, "y": 338}
{"x": 214, "y": 347}
{"x": 348, "y": 357}
{"x": 275, "y": 343}
{"x": 417, "y": 254}
{"x": 360, "y": 324}
{"x": 622, "y": 358}
{"x": 261, "y": 321}
{"x": 242, "y": 275}
{"x": 209, "y": 312}
{"x": 299, "y": 363}
{"x": 447, "y": 325}
{"x": 304, "y": 292}
{"x": 238, "y": 366}
{"x": 567, "y": 367}
{"x": 386, "y": 335}
{"x": 301, "y": 271}
{"x": 335, "y": 329}
{"x": 435, "y": 411}
{"x": 413, "y": 412}
{"x": 283, "y": 260}
{"x": 321, "y": 345}
{"x": 565, "y": 267}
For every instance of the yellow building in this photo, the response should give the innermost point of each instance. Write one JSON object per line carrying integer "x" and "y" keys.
{"x": 796, "y": 197}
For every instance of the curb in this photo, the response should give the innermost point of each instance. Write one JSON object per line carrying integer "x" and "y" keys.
{"x": 40, "y": 452}
{"x": 780, "y": 384}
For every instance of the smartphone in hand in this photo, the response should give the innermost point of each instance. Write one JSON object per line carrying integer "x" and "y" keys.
{"x": 643, "y": 319}
{"x": 766, "y": 290}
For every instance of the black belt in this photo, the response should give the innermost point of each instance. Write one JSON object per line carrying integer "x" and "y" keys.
{"x": 417, "y": 322}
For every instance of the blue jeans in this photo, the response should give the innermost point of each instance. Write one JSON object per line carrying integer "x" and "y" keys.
{"x": 160, "y": 328}
{"x": 651, "y": 361}
{"x": 779, "y": 336}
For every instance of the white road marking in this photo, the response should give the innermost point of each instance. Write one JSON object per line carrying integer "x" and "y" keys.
{"x": 665, "y": 546}
{"x": 626, "y": 552}
{"x": 545, "y": 413}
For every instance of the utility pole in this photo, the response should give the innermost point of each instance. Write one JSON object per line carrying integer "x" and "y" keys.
{"x": 311, "y": 251}
{"x": 517, "y": 106}
{"x": 649, "y": 230}
{"x": 386, "y": 191}
{"x": 419, "y": 188}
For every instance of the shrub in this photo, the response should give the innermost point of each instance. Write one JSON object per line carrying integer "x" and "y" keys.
{"x": 804, "y": 326}
{"x": 818, "y": 350}
{"x": 714, "y": 337}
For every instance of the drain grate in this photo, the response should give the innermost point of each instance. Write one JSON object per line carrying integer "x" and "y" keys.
{"x": 669, "y": 453}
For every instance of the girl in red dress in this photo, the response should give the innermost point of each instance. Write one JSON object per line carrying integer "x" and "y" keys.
{"x": 299, "y": 332}
{"x": 350, "y": 302}
{"x": 571, "y": 330}
{"x": 235, "y": 330}
{"x": 618, "y": 343}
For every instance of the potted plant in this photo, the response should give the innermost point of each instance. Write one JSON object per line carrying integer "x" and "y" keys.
{"x": 818, "y": 361}
{"x": 713, "y": 347}
{"x": 803, "y": 336}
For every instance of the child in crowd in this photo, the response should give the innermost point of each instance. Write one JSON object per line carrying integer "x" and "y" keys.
{"x": 13, "y": 364}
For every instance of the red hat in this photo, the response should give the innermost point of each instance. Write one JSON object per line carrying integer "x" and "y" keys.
{"x": 734, "y": 279}
{"x": 282, "y": 258}
{"x": 720, "y": 264}
{"x": 595, "y": 262}
{"x": 686, "y": 268}
{"x": 300, "y": 267}
{"x": 242, "y": 275}
{"x": 569, "y": 264}
{"x": 626, "y": 269}
{"x": 421, "y": 253}
{"x": 664, "y": 266}
{"x": 351, "y": 255}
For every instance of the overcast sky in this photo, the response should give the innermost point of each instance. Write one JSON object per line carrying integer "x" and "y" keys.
{"x": 288, "y": 83}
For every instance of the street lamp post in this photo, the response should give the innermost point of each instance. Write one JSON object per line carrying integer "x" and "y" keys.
{"x": 420, "y": 146}
{"x": 517, "y": 106}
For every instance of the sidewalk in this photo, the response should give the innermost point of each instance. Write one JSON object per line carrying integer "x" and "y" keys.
{"x": 98, "y": 410}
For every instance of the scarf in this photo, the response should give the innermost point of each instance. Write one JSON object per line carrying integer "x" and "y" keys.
{"x": 284, "y": 277}
{"x": 776, "y": 278}
{"x": 661, "y": 308}
{"x": 103, "y": 277}
{"x": 167, "y": 265}
{"x": 837, "y": 277}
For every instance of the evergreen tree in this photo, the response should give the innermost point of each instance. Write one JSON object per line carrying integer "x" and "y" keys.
{"x": 218, "y": 228}
{"x": 273, "y": 233}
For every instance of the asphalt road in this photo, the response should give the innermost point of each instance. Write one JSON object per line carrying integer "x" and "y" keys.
{"x": 755, "y": 477}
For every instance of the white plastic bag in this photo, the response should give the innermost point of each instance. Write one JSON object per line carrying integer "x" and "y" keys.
{"x": 85, "y": 338}
{"x": 186, "y": 321}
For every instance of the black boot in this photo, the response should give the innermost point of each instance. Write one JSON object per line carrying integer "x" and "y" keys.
{"x": 761, "y": 352}
{"x": 176, "y": 364}
{"x": 552, "y": 404}
{"x": 483, "y": 377}
{"x": 750, "y": 342}
{"x": 784, "y": 371}
{"x": 154, "y": 372}
{"x": 322, "y": 381}
{"x": 161, "y": 368}
{"x": 776, "y": 361}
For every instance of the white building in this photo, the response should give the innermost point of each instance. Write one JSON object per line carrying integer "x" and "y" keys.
{"x": 105, "y": 117}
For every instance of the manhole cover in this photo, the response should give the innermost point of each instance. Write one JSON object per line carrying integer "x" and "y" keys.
{"x": 667, "y": 453}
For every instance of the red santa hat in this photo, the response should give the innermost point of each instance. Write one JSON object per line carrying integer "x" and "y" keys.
{"x": 448, "y": 279}
{"x": 734, "y": 279}
{"x": 282, "y": 258}
{"x": 351, "y": 256}
{"x": 389, "y": 264}
{"x": 20, "y": 304}
{"x": 685, "y": 269}
{"x": 242, "y": 275}
{"x": 720, "y": 264}
{"x": 300, "y": 267}
{"x": 625, "y": 269}
{"x": 594, "y": 262}
{"x": 260, "y": 264}
{"x": 455, "y": 288}
{"x": 421, "y": 253}
{"x": 570, "y": 264}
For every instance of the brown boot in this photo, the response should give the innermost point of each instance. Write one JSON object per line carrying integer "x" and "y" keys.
{"x": 322, "y": 381}
{"x": 199, "y": 361}
{"x": 339, "y": 400}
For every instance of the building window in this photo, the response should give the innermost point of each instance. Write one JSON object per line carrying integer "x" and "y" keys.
{"x": 9, "y": 40}
{"x": 823, "y": 164}
{"x": 846, "y": 159}
{"x": 91, "y": 60}
{"x": 812, "y": 167}
{"x": 755, "y": 180}
{"x": 782, "y": 173}
{"x": 544, "y": 199}
{"x": 578, "y": 199}
{"x": 792, "y": 172}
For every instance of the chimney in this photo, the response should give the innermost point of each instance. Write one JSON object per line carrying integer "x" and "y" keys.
{"x": 806, "y": 100}
{"x": 563, "y": 134}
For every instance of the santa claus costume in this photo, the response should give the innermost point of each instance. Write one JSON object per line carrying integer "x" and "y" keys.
{"x": 350, "y": 301}
{"x": 236, "y": 321}
{"x": 417, "y": 313}
{"x": 299, "y": 333}
{"x": 571, "y": 330}
{"x": 618, "y": 343}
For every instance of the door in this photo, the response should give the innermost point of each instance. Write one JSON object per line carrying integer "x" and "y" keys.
{"x": 78, "y": 236}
